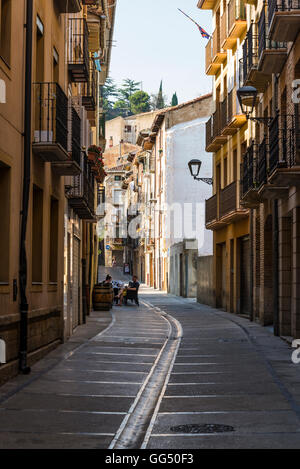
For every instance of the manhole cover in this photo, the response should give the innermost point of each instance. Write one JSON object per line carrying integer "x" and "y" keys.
{"x": 204, "y": 428}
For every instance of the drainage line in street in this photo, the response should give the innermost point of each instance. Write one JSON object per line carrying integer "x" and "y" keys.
{"x": 135, "y": 426}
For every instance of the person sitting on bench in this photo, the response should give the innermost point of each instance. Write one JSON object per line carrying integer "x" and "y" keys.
{"x": 132, "y": 291}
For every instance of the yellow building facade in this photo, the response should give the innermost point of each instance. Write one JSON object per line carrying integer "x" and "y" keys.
{"x": 227, "y": 137}
{"x": 48, "y": 117}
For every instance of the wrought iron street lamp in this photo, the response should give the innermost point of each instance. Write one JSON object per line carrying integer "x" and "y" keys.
{"x": 194, "y": 167}
{"x": 247, "y": 96}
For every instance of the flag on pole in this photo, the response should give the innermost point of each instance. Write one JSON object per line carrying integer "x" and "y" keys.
{"x": 202, "y": 31}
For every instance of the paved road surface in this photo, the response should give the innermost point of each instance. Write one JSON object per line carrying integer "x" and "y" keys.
{"x": 144, "y": 377}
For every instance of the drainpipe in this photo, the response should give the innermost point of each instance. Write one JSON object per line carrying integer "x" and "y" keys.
{"x": 275, "y": 268}
{"x": 24, "y": 368}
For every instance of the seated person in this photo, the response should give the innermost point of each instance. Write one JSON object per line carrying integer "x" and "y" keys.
{"x": 118, "y": 287}
{"x": 107, "y": 281}
{"x": 132, "y": 291}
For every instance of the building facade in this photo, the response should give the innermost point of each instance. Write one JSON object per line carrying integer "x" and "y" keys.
{"x": 49, "y": 119}
{"x": 263, "y": 39}
{"x": 171, "y": 242}
{"x": 270, "y": 169}
{"x": 227, "y": 136}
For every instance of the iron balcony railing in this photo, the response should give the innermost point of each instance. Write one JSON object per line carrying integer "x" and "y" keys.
{"x": 89, "y": 93}
{"x": 264, "y": 42}
{"x": 216, "y": 122}
{"x": 51, "y": 114}
{"x": 81, "y": 193}
{"x": 223, "y": 113}
{"x": 230, "y": 106}
{"x": 248, "y": 169}
{"x": 249, "y": 60}
{"x": 284, "y": 139}
{"x": 78, "y": 49}
{"x": 262, "y": 163}
{"x": 76, "y": 134}
{"x": 281, "y": 5}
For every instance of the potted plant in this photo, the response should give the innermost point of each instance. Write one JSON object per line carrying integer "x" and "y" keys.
{"x": 94, "y": 152}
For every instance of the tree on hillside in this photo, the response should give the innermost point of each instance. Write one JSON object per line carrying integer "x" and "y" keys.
{"x": 174, "y": 101}
{"x": 140, "y": 102}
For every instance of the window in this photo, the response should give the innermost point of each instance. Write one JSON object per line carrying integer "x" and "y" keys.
{"x": 5, "y": 222}
{"x": 39, "y": 57}
{"x": 225, "y": 180}
{"x": 234, "y": 159}
{"x": 118, "y": 178}
{"x": 5, "y": 31}
{"x": 53, "y": 251}
{"x": 37, "y": 235}
{"x": 55, "y": 66}
{"x": 117, "y": 197}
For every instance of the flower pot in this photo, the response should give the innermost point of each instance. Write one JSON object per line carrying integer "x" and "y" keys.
{"x": 92, "y": 156}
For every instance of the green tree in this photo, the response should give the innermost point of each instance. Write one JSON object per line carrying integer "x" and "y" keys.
{"x": 128, "y": 88}
{"x": 174, "y": 101}
{"x": 140, "y": 102}
{"x": 121, "y": 108}
{"x": 160, "y": 103}
{"x": 108, "y": 94}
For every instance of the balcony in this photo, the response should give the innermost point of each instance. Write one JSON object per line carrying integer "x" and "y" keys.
{"x": 81, "y": 193}
{"x": 214, "y": 137}
{"x": 71, "y": 167}
{"x": 284, "y": 150}
{"x": 100, "y": 211}
{"x": 51, "y": 122}
{"x": 266, "y": 190}
{"x": 249, "y": 73}
{"x": 224, "y": 208}
{"x": 78, "y": 50}
{"x": 236, "y": 23}
{"x": 72, "y": 6}
{"x": 211, "y": 211}
{"x": 89, "y": 92}
{"x": 249, "y": 195}
{"x": 284, "y": 19}
{"x": 215, "y": 56}
{"x": 206, "y": 4}
{"x": 271, "y": 54}
{"x": 230, "y": 210}
{"x": 234, "y": 119}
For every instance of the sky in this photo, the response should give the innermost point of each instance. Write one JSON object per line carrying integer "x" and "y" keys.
{"x": 155, "y": 42}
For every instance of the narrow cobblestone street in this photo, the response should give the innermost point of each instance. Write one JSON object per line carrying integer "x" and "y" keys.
{"x": 184, "y": 363}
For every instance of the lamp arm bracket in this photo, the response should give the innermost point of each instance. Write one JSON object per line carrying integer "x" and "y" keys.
{"x": 206, "y": 180}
